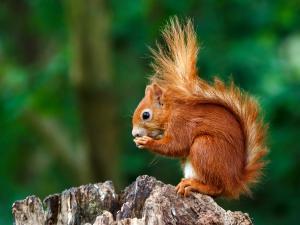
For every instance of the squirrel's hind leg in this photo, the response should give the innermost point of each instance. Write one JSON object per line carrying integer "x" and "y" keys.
{"x": 200, "y": 165}
{"x": 186, "y": 186}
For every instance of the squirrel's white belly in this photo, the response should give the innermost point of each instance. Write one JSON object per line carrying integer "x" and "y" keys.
{"x": 188, "y": 170}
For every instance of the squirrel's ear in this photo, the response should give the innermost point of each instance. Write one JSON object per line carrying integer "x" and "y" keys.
{"x": 148, "y": 89}
{"x": 158, "y": 94}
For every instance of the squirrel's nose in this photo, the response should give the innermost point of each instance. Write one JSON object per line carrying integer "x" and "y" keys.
{"x": 135, "y": 133}
{"x": 138, "y": 132}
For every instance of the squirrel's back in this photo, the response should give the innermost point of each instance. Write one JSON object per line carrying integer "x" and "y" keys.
{"x": 176, "y": 73}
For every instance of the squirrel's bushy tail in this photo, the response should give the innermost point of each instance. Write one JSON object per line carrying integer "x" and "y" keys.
{"x": 175, "y": 65}
{"x": 175, "y": 70}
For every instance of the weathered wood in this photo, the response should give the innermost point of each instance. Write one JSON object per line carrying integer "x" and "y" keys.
{"x": 146, "y": 201}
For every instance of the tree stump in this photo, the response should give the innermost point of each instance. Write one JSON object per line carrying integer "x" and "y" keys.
{"x": 146, "y": 201}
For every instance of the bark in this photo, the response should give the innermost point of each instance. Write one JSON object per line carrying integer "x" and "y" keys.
{"x": 146, "y": 201}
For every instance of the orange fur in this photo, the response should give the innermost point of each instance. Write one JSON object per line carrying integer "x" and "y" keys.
{"x": 214, "y": 127}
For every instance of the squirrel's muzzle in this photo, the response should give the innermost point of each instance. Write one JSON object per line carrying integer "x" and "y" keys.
{"x": 138, "y": 132}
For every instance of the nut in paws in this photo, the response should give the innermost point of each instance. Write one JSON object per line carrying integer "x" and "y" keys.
{"x": 143, "y": 142}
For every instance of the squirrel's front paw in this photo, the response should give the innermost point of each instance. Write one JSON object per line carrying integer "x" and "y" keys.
{"x": 143, "y": 142}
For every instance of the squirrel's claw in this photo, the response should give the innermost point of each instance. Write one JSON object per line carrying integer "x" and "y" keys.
{"x": 184, "y": 188}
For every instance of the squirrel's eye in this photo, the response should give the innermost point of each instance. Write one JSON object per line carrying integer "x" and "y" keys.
{"x": 146, "y": 115}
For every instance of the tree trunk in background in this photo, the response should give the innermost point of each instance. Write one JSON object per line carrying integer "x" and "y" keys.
{"x": 91, "y": 76}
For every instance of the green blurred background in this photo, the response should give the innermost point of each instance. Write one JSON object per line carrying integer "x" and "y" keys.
{"x": 72, "y": 72}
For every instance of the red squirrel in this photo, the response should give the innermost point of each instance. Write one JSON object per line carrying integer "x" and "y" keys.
{"x": 215, "y": 129}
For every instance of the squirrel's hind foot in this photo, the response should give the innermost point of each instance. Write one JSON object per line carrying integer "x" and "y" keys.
{"x": 186, "y": 186}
